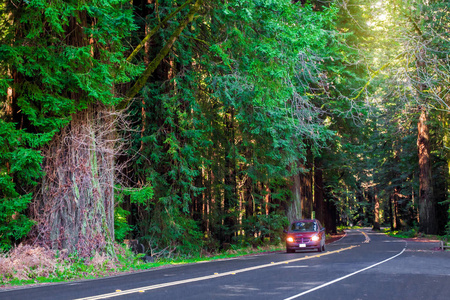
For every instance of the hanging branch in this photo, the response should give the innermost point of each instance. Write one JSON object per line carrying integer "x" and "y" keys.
{"x": 155, "y": 29}
{"x": 374, "y": 74}
{"x": 159, "y": 57}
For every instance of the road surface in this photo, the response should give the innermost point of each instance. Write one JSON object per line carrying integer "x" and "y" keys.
{"x": 362, "y": 265}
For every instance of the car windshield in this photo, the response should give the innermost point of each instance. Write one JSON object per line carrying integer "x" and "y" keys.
{"x": 304, "y": 226}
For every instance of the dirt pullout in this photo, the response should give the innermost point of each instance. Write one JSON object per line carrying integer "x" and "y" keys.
{"x": 334, "y": 237}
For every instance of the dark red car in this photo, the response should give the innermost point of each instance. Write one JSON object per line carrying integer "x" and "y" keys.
{"x": 305, "y": 235}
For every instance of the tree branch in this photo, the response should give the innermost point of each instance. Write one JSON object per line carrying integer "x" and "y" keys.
{"x": 155, "y": 29}
{"x": 372, "y": 76}
{"x": 159, "y": 57}
{"x": 416, "y": 27}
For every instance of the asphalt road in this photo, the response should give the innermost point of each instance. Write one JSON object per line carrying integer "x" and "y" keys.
{"x": 362, "y": 265}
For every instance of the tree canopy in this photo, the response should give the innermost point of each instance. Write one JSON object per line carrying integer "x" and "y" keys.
{"x": 196, "y": 125}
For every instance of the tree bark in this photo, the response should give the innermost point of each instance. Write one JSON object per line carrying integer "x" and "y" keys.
{"x": 427, "y": 212}
{"x": 231, "y": 198}
{"x": 319, "y": 203}
{"x": 376, "y": 211}
{"x": 76, "y": 203}
{"x": 331, "y": 215}
{"x": 74, "y": 208}
{"x": 306, "y": 194}
{"x": 294, "y": 208}
{"x": 391, "y": 214}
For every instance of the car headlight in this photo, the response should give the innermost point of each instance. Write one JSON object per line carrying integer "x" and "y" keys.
{"x": 290, "y": 239}
{"x": 315, "y": 238}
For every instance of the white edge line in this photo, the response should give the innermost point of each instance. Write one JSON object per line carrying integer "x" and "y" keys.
{"x": 366, "y": 236}
{"x": 344, "y": 277}
{"x": 339, "y": 239}
{"x": 162, "y": 285}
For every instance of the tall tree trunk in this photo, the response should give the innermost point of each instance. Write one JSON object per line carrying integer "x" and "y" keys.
{"x": 376, "y": 210}
{"x": 74, "y": 208}
{"x": 306, "y": 194}
{"x": 447, "y": 146}
{"x": 266, "y": 198}
{"x": 426, "y": 202}
{"x": 249, "y": 204}
{"x": 391, "y": 214}
{"x": 294, "y": 207}
{"x": 230, "y": 195}
{"x": 395, "y": 211}
{"x": 248, "y": 198}
{"x": 319, "y": 204}
{"x": 331, "y": 215}
{"x": 76, "y": 203}
{"x": 325, "y": 209}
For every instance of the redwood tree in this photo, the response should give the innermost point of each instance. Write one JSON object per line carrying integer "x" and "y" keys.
{"x": 63, "y": 60}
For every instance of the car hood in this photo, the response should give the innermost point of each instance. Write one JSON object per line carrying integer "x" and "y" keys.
{"x": 296, "y": 233}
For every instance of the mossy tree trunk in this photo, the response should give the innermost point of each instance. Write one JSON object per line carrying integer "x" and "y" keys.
{"x": 306, "y": 194}
{"x": 319, "y": 204}
{"x": 76, "y": 203}
{"x": 294, "y": 207}
{"x": 376, "y": 210}
{"x": 427, "y": 212}
{"x": 74, "y": 206}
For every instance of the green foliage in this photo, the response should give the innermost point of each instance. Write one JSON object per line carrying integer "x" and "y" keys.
{"x": 54, "y": 71}
{"x": 173, "y": 230}
{"x": 121, "y": 227}
{"x": 75, "y": 268}
{"x": 261, "y": 226}
{"x": 19, "y": 165}
{"x": 379, "y": 158}
{"x": 14, "y": 225}
{"x": 38, "y": 265}
{"x": 140, "y": 196}
{"x": 55, "y": 59}
{"x": 412, "y": 233}
{"x": 242, "y": 104}
{"x": 251, "y": 93}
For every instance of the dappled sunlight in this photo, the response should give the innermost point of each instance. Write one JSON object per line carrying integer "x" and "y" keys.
{"x": 202, "y": 129}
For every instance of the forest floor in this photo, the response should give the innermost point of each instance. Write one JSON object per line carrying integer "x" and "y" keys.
{"x": 82, "y": 272}
{"x": 431, "y": 239}
{"x": 423, "y": 239}
{"x": 331, "y": 238}
{"x": 20, "y": 268}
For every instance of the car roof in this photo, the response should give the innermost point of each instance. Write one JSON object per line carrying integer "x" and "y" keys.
{"x": 304, "y": 220}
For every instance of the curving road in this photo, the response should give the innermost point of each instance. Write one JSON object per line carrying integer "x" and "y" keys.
{"x": 362, "y": 265}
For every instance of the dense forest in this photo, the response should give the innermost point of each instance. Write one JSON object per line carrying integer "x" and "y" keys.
{"x": 197, "y": 125}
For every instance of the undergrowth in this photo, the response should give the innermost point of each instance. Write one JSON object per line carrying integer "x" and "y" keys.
{"x": 412, "y": 233}
{"x": 30, "y": 265}
{"x": 341, "y": 228}
{"x": 26, "y": 264}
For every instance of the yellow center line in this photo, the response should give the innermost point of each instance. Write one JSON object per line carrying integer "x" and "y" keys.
{"x": 216, "y": 275}
{"x": 367, "y": 240}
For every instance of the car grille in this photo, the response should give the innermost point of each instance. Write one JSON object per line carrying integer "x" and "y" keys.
{"x": 302, "y": 240}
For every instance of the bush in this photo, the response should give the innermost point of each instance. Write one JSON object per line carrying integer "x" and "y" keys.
{"x": 262, "y": 227}
{"x": 29, "y": 264}
{"x": 25, "y": 262}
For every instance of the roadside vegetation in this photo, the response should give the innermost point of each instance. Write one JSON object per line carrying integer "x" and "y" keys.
{"x": 26, "y": 265}
{"x": 203, "y": 128}
{"x": 414, "y": 234}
